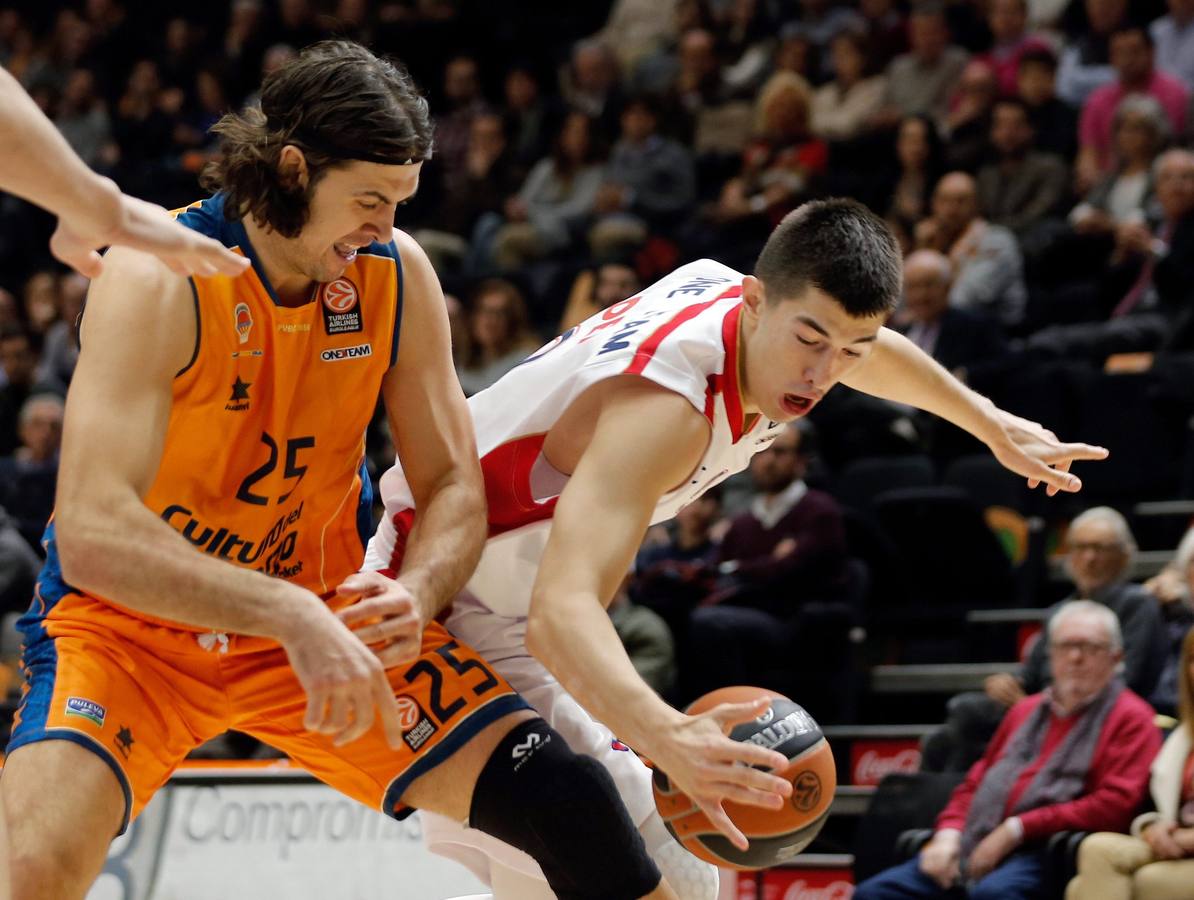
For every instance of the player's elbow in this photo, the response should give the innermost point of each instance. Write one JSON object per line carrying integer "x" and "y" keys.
{"x": 77, "y": 552}
{"x": 539, "y": 629}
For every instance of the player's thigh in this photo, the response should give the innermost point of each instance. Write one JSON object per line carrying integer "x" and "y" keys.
{"x": 453, "y": 708}
{"x": 64, "y": 805}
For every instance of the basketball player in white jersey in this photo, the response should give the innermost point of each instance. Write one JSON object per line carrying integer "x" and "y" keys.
{"x": 617, "y": 424}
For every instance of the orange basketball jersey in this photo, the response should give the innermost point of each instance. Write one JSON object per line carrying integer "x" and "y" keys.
{"x": 263, "y": 463}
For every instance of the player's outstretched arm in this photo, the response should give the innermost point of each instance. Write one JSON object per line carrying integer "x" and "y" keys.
{"x": 898, "y": 370}
{"x": 138, "y": 333}
{"x": 433, "y": 434}
{"x": 36, "y": 163}
{"x": 646, "y": 441}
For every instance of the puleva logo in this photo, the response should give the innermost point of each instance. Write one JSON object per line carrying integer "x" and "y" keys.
{"x": 86, "y": 709}
{"x": 244, "y": 322}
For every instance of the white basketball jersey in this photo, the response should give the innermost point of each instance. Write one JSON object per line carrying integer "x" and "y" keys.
{"x": 681, "y": 333}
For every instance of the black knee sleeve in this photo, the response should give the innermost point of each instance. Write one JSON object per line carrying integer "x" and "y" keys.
{"x": 563, "y": 809}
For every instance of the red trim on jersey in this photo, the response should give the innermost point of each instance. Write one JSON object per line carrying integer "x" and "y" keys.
{"x": 404, "y": 521}
{"x": 733, "y": 392}
{"x": 507, "y": 473}
{"x": 648, "y": 347}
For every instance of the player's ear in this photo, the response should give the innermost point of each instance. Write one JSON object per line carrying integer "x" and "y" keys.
{"x": 752, "y": 295}
{"x": 292, "y": 166}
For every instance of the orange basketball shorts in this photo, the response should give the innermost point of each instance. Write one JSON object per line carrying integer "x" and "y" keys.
{"x": 142, "y": 695}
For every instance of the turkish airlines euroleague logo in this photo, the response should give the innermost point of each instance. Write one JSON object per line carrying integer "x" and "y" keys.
{"x": 408, "y": 713}
{"x": 341, "y": 307}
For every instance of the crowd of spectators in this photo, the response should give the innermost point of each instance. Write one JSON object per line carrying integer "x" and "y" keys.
{"x": 1031, "y": 156}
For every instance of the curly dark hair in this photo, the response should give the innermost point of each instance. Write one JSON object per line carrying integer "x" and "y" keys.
{"x": 838, "y": 246}
{"x": 336, "y": 102}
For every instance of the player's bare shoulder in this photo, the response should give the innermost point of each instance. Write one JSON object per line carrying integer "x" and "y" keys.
{"x": 138, "y": 305}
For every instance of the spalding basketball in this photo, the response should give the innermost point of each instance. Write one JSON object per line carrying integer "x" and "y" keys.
{"x": 775, "y": 835}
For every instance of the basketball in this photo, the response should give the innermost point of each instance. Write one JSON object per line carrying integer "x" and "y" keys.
{"x": 775, "y": 835}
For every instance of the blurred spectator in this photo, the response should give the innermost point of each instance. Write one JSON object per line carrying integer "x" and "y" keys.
{"x": 244, "y": 45}
{"x": 483, "y": 184}
{"x": 697, "y": 84}
{"x": 143, "y": 127}
{"x": 1152, "y": 270}
{"x": 1132, "y": 57}
{"x": 1008, "y": 21}
{"x": 42, "y": 300}
{"x": 779, "y": 164}
{"x": 1086, "y": 60}
{"x": 921, "y": 80}
{"x": 920, "y": 157}
{"x": 956, "y": 338}
{"x": 462, "y": 103}
{"x": 1140, "y": 131}
{"x": 747, "y": 36}
{"x": 1173, "y": 36}
{"x": 845, "y": 106}
{"x": 528, "y": 117}
{"x": 179, "y": 55}
{"x": 647, "y": 639}
{"x": 821, "y": 21}
{"x": 554, "y": 202}
{"x": 19, "y": 567}
{"x": 1172, "y": 589}
{"x": 649, "y": 183}
{"x": 1099, "y": 552}
{"x": 1155, "y": 862}
{"x": 500, "y": 337}
{"x": 458, "y": 327}
{"x": 674, "y": 573}
{"x": 10, "y": 314}
{"x": 594, "y": 291}
{"x": 297, "y": 23}
{"x": 60, "y": 346}
{"x": 967, "y": 126}
{"x": 274, "y": 57}
{"x": 656, "y": 71}
{"x": 63, "y": 51}
{"x": 1054, "y": 121}
{"x": 83, "y": 121}
{"x": 18, "y": 357}
{"x": 636, "y": 28}
{"x": 1074, "y": 757}
{"x": 788, "y": 549}
{"x": 28, "y": 476}
{"x": 591, "y": 83}
{"x": 988, "y": 270}
{"x": 1022, "y": 187}
{"x": 886, "y": 31}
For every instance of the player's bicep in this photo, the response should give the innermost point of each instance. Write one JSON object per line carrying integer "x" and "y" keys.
{"x": 426, "y": 409}
{"x": 646, "y": 442}
{"x": 139, "y": 331}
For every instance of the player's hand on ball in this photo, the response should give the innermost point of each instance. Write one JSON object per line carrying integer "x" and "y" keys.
{"x": 1031, "y": 450}
{"x": 345, "y": 682}
{"x": 387, "y": 617}
{"x": 710, "y": 768}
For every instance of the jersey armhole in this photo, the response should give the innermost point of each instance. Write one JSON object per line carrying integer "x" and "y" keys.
{"x": 398, "y": 300}
{"x": 198, "y": 329}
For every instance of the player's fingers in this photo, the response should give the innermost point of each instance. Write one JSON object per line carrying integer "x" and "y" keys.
{"x": 751, "y": 796}
{"x": 361, "y": 712}
{"x": 400, "y": 652}
{"x": 373, "y": 608}
{"x": 387, "y": 708}
{"x": 316, "y": 704}
{"x": 220, "y": 260}
{"x": 337, "y": 718}
{"x": 367, "y": 583}
{"x": 1070, "y": 452}
{"x": 728, "y": 714}
{"x": 389, "y": 629}
{"x": 717, "y": 816}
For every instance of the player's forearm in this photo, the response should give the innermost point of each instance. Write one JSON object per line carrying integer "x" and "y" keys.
{"x": 444, "y": 545}
{"x": 572, "y": 636}
{"x": 123, "y": 552}
{"x": 37, "y": 163}
{"x": 900, "y": 371}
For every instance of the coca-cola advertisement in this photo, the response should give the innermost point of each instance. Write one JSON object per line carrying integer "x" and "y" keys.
{"x": 870, "y": 761}
{"x": 807, "y": 884}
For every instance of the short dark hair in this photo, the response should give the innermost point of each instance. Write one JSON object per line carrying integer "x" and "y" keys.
{"x": 1038, "y": 56}
{"x": 1016, "y": 103}
{"x": 1134, "y": 28}
{"x": 837, "y": 246}
{"x": 337, "y": 102}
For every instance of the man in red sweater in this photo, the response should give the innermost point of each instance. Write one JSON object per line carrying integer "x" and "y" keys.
{"x": 1074, "y": 757}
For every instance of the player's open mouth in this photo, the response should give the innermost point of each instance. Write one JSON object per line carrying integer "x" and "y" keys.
{"x": 347, "y": 252}
{"x": 797, "y": 404}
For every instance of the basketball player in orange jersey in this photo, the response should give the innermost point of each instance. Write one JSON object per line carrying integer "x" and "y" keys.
{"x": 37, "y": 163}
{"x": 615, "y": 426}
{"x": 211, "y": 502}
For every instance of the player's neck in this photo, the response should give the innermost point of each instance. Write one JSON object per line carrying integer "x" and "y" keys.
{"x": 291, "y": 287}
